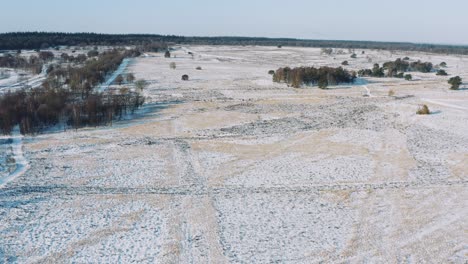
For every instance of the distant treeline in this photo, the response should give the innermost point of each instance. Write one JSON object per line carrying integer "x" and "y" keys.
{"x": 322, "y": 76}
{"x": 38, "y": 40}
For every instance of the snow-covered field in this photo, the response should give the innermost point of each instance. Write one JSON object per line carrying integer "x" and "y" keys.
{"x": 244, "y": 170}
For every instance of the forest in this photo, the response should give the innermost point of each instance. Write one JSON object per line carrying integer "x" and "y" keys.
{"x": 43, "y": 40}
{"x": 67, "y": 98}
{"x": 323, "y": 76}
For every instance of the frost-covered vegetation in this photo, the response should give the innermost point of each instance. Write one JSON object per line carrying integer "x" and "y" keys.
{"x": 67, "y": 97}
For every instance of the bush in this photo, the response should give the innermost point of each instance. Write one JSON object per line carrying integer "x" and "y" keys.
{"x": 408, "y": 77}
{"x": 400, "y": 75}
{"x": 141, "y": 84}
{"x": 406, "y": 58}
{"x": 354, "y": 56}
{"x": 271, "y": 72}
{"x": 167, "y": 54}
{"x": 93, "y": 53}
{"x": 443, "y": 64}
{"x": 441, "y": 73}
{"x": 185, "y": 77}
{"x": 455, "y": 82}
{"x": 327, "y": 51}
{"x": 345, "y": 63}
{"x": 130, "y": 77}
{"x": 199, "y": 68}
{"x": 172, "y": 65}
{"x": 391, "y": 92}
{"x": 423, "y": 110}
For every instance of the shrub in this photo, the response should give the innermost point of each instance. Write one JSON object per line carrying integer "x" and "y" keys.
{"x": 199, "y": 68}
{"x": 172, "y": 65}
{"x": 345, "y": 63}
{"x": 391, "y": 92}
{"x": 421, "y": 66}
{"x": 93, "y": 53}
{"x": 408, "y": 77}
{"x": 185, "y": 77}
{"x": 423, "y": 110}
{"x": 130, "y": 77}
{"x": 271, "y": 72}
{"x": 354, "y": 56}
{"x": 167, "y": 54}
{"x": 141, "y": 84}
{"x": 400, "y": 75}
{"x": 327, "y": 51}
{"x": 455, "y": 82}
{"x": 443, "y": 64}
{"x": 441, "y": 73}
{"x": 406, "y": 58}
{"x": 119, "y": 80}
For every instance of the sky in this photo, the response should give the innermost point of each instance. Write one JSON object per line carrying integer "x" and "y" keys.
{"x": 421, "y": 21}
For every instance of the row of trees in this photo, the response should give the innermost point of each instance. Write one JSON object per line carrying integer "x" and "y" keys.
{"x": 323, "y": 76}
{"x": 36, "y": 109}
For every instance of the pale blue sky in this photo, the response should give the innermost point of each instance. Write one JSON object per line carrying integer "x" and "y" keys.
{"x": 432, "y": 21}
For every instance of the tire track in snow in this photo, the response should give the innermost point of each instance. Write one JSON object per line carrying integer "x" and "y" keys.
{"x": 60, "y": 191}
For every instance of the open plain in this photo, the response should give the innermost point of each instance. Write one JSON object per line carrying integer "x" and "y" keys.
{"x": 230, "y": 167}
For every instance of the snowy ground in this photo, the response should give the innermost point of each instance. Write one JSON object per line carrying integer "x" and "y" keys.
{"x": 248, "y": 171}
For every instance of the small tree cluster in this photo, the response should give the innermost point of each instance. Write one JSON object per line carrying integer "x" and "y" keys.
{"x": 421, "y": 66}
{"x": 376, "y": 71}
{"x": 323, "y": 76}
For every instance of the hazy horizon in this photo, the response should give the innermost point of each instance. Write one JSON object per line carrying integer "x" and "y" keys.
{"x": 362, "y": 20}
